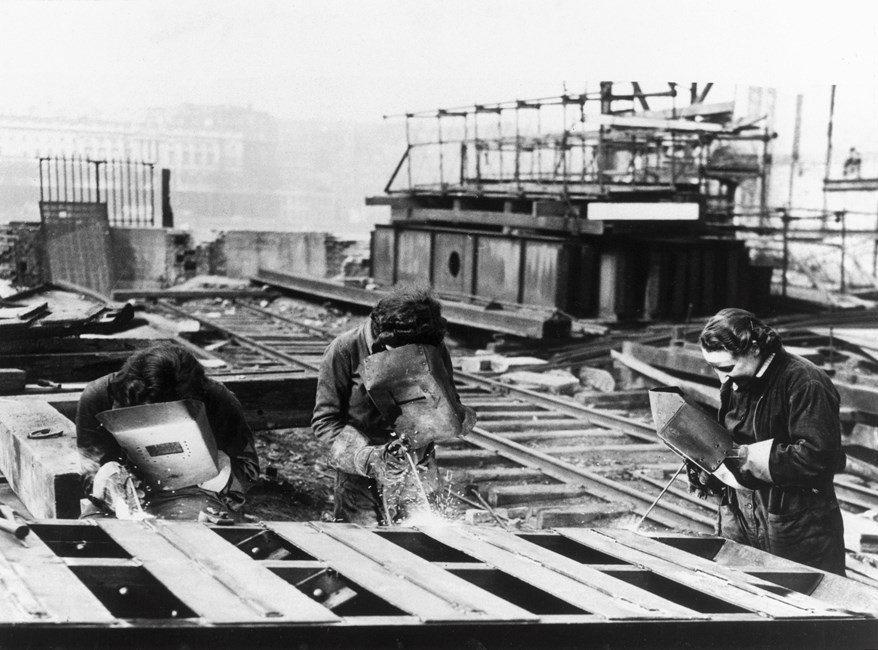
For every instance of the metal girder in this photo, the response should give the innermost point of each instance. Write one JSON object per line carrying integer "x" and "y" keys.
{"x": 531, "y": 323}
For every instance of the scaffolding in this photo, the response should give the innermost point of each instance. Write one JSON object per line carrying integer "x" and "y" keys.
{"x": 585, "y": 146}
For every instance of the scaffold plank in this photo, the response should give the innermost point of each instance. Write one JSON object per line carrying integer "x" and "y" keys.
{"x": 724, "y": 583}
{"x": 39, "y": 588}
{"x": 212, "y": 577}
{"x": 615, "y": 588}
{"x": 465, "y": 595}
{"x": 447, "y": 600}
{"x": 571, "y": 590}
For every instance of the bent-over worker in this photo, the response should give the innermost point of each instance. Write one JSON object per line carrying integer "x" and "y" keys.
{"x": 165, "y": 372}
{"x": 363, "y": 446}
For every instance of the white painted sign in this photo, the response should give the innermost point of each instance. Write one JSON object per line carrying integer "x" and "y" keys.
{"x": 642, "y": 212}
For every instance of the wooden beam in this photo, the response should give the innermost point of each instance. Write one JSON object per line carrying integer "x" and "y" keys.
{"x": 269, "y": 400}
{"x": 190, "y": 294}
{"x": 74, "y": 344}
{"x": 44, "y": 473}
{"x": 66, "y": 367}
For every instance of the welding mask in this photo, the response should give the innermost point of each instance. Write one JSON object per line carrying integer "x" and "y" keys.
{"x": 688, "y": 430}
{"x": 169, "y": 444}
{"x": 414, "y": 391}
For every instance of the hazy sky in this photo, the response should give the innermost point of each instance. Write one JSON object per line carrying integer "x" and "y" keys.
{"x": 360, "y": 59}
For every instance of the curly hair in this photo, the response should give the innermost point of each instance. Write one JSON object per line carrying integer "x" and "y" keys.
{"x": 163, "y": 372}
{"x": 735, "y": 331}
{"x": 408, "y": 315}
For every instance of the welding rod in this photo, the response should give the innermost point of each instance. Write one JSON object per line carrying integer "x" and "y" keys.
{"x": 661, "y": 494}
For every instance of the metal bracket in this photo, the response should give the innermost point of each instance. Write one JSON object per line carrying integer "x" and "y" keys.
{"x": 40, "y": 434}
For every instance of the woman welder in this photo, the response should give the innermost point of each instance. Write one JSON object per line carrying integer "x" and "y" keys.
{"x": 165, "y": 372}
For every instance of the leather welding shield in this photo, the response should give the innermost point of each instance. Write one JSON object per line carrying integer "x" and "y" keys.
{"x": 412, "y": 388}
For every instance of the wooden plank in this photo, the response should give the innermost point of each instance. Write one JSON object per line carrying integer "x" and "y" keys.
{"x": 65, "y": 367}
{"x": 75, "y": 344}
{"x": 40, "y": 588}
{"x": 564, "y": 587}
{"x": 45, "y": 474}
{"x": 212, "y": 577}
{"x": 504, "y": 495}
{"x": 477, "y": 475}
{"x": 123, "y": 295}
{"x": 608, "y": 585}
{"x": 727, "y": 584}
{"x": 391, "y": 585}
{"x": 466, "y": 457}
{"x": 482, "y": 604}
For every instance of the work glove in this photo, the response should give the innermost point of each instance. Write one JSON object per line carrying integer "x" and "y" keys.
{"x": 739, "y": 461}
{"x": 702, "y": 483}
{"x": 114, "y": 488}
{"x": 469, "y": 420}
{"x": 389, "y": 463}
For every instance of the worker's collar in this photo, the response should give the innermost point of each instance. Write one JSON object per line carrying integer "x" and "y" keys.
{"x": 756, "y": 384}
{"x": 367, "y": 332}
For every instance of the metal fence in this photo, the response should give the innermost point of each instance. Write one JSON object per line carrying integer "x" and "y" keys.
{"x": 127, "y": 187}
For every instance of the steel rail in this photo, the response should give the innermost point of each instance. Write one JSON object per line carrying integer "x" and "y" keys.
{"x": 594, "y": 416}
{"x": 240, "y": 338}
{"x": 666, "y": 514}
{"x": 325, "y": 333}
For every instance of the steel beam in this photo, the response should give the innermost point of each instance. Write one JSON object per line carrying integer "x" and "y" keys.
{"x": 530, "y": 323}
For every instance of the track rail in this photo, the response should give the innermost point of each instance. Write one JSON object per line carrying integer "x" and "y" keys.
{"x": 552, "y": 454}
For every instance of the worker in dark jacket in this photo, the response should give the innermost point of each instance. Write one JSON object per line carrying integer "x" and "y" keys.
{"x": 165, "y": 372}
{"x": 783, "y": 414}
{"x": 362, "y": 444}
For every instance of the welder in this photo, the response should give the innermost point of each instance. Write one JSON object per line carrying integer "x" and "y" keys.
{"x": 783, "y": 414}
{"x": 164, "y": 373}
{"x": 385, "y": 395}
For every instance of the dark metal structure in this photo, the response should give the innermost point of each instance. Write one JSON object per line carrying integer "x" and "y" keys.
{"x": 610, "y": 214}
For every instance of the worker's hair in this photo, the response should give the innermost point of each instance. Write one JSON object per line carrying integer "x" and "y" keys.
{"x": 163, "y": 372}
{"x": 408, "y": 315}
{"x": 735, "y": 331}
